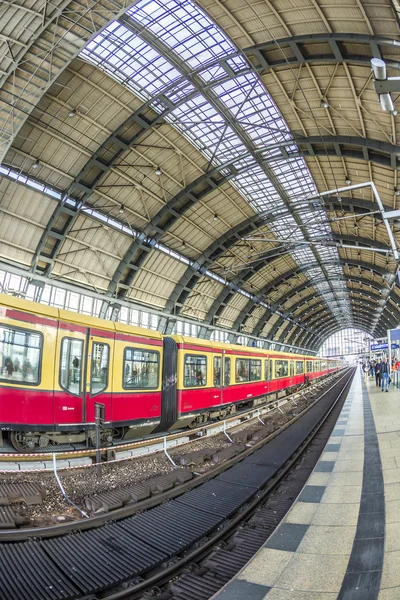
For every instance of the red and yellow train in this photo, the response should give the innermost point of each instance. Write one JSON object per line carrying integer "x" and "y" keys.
{"x": 55, "y": 365}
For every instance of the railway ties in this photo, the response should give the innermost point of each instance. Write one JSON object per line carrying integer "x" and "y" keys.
{"x": 73, "y": 566}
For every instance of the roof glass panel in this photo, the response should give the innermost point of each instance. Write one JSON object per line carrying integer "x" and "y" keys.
{"x": 131, "y": 61}
{"x": 232, "y": 118}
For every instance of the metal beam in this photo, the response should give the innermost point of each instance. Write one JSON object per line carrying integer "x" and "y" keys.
{"x": 358, "y": 318}
{"x": 298, "y": 50}
{"x": 364, "y": 300}
{"x": 304, "y": 286}
{"x": 213, "y": 252}
{"x": 324, "y": 320}
{"x": 289, "y": 274}
{"x": 329, "y": 328}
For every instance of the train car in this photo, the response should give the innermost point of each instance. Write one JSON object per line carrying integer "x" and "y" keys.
{"x": 216, "y": 379}
{"x": 56, "y": 365}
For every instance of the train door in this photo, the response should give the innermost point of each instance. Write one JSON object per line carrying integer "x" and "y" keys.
{"x": 226, "y": 379}
{"x": 218, "y": 379}
{"x": 98, "y": 375}
{"x": 291, "y": 372}
{"x": 70, "y": 375}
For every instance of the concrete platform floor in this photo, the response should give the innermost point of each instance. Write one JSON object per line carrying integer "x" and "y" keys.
{"x": 341, "y": 538}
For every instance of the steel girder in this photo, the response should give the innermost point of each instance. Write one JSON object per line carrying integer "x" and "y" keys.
{"x": 322, "y": 317}
{"x": 277, "y": 303}
{"x": 364, "y": 299}
{"x": 347, "y": 239}
{"x": 185, "y": 200}
{"x": 304, "y": 286}
{"x": 288, "y": 274}
{"x": 315, "y": 319}
{"x": 329, "y": 327}
{"x": 216, "y": 249}
{"x": 129, "y": 133}
{"x": 359, "y": 317}
{"x": 302, "y": 49}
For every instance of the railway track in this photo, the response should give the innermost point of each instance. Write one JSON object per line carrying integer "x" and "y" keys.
{"x": 155, "y": 545}
{"x": 77, "y": 457}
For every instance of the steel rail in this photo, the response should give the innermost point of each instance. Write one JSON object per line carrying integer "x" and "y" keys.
{"x": 202, "y": 550}
{"x": 129, "y": 510}
{"x": 147, "y": 441}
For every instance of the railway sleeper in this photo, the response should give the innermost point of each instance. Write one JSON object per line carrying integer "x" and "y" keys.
{"x": 115, "y": 499}
{"x": 196, "y": 457}
{"x": 228, "y": 453}
{"x": 29, "y": 493}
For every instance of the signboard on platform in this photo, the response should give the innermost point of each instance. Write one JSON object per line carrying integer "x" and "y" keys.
{"x": 384, "y": 346}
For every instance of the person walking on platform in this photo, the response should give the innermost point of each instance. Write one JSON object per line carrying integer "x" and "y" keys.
{"x": 378, "y": 377}
{"x": 385, "y": 372}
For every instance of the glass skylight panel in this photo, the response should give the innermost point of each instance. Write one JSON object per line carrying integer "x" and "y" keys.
{"x": 185, "y": 29}
{"x": 131, "y": 60}
{"x": 198, "y": 43}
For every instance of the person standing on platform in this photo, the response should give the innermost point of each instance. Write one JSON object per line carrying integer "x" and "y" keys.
{"x": 378, "y": 373}
{"x": 365, "y": 370}
{"x": 385, "y": 372}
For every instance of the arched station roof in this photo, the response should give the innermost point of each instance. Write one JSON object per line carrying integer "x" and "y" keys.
{"x": 171, "y": 153}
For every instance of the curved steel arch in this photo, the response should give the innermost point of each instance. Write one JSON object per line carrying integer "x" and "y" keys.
{"x": 289, "y": 333}
{"x": 363, "y": 300}
{"x": 358, "y": 322}
{"x": 301, "y": 48}
{"x": 227, "y": 240}
{"x": 278, "y": 280}
{"x": 278, "y": 324}
{"x": 357, "y": 319}
{"x": 186, "y": 199}
{"x": 306, "y": 299}
{"x": 357, "y": 303}
{"x": 330, "y": 329}
{"x": 347, "y": 239}
{"x": 320, "y": 314}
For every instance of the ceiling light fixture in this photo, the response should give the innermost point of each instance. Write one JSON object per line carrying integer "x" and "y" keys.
{"x": 216, "y": 217}
{"x": 121, "y": 209}
{"x": 183, "y": 244}
{"x": 158, "y": 171}
{"x": 35, "y": 164}
{"x": 396, "y": 191}
{"x": 348, "y": 181}
{"x": 324, "y": 103}
{"x": 72, "y": 113}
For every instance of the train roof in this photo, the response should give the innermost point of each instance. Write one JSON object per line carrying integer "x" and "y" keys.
{"x": 77, "y": 318}
{"x": 236, "y": 347}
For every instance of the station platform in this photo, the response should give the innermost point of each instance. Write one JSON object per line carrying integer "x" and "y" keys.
{"x": 341, "y": 538}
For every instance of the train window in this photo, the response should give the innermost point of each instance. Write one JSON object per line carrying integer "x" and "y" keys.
{"x": 141, "y": 368}
{"x": 309, "y": 366}
{"x": 20, "y": 355}
{"x": 266, "y": 367}
{"x": 255, "y": 370}
{"x": 291, "y": 368}
{"x": 227, "y": 372}
{"x": 242, "y": 370}
{"x": 71, "y": 365}
{"x": 195, "y": 374}
{"x": 100, "y": 362}
{"x": 217, "y": 371}
{"x": 281, "y": 368}
{"x": 299, "y": 367}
